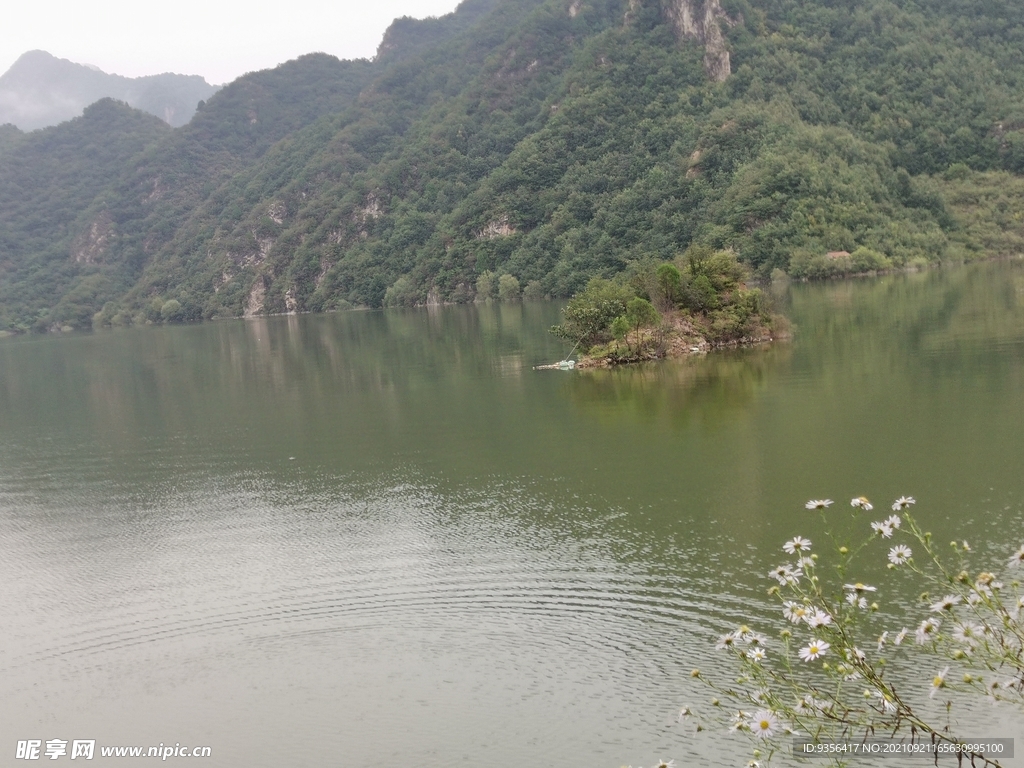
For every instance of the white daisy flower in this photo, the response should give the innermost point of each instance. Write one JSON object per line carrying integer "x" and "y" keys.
{"x": 742, "y": 632}
{"x": 969, "y": 633}
{"x": 883, "y": 529}
{"x": 726, "y": 642}
{"x": 819, "y": 619}
{"x": 797, "y": 544}
{"x": 882, "y": 640}
{"x": 785, "y": 574}
{"x": 856, "y": 601}
{"x": 805, "y": 562}
{"x": 995, "y": 686}
{"x": 926, "y": 630}
{"x": 684, "y": 713}
{"x": 900, "y": 636}
{"x": 855, "y": 653}
{"x": 756, "y": 655}
{"x": 894, "y": 521}
{"x": 803, "y": 706}
{"x": 987, "y": 581}
{"x": 902, "y": 503}
{"x": 814, "y": 650}
{"x": 938, "y": 682}
{"x": 818, "y": 504}
{"x": 1017, "y": 558}
{"x": 740, "y": 721}
{"x": 945, "y": 604}
{"x": 807, "y": 705}
{"x": 862, "y": 503}
{"x": 899, "y": 554}
{"x": 764, "y": 724}
{"x": 795, "y": 612}
{"x": 859, "y": 588}
{"x": 883, "y": 701}
{"x": 663, "y": 764}
{"x": 755, "y": 638}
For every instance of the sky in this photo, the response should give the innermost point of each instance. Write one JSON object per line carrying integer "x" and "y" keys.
{"x": 217, "y": 39}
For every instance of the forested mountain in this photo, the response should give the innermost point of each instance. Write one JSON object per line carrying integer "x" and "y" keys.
{"x": 552, "y": 140}
{"x": 40, "y": 90}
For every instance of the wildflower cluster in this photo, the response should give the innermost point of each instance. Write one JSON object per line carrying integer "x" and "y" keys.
{"x": 829, "y": 676}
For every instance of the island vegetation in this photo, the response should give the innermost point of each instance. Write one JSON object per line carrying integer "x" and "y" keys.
{"x": 668, "y": 309}
{"x": 522, "y": 148}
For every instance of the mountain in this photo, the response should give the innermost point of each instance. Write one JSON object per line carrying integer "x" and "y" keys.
{"x": 40, "y": 90}
{"x": 550, "y": 140}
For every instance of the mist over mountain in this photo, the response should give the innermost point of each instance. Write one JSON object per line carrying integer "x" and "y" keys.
{"x": 40, "y": 90}
{"x": 547, "y": 140}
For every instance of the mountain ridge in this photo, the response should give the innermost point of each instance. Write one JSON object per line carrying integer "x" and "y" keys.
{"x": 40, "y": 90}
{"x": 552, "y": 141}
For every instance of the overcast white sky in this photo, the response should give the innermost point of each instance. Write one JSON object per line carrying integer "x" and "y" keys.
{"x": 217, "y": 39}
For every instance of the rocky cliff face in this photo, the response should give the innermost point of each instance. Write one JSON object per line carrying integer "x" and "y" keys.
{"x": 700, "y": 20}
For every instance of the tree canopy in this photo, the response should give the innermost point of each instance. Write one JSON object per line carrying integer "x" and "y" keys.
{"x": 542, "y": 140}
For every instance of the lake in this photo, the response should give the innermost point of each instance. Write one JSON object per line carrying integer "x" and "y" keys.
{"x": 382, "y": 538}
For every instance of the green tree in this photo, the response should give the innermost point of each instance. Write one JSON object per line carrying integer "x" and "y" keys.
{"x": 640, "y": 314}
{"x": 588, "y": 315}
{"x": 486, "y": 286}
{"x": 171, "y": 311}
{"x": 508, "y": 288}
{"x": 670, "y": 286}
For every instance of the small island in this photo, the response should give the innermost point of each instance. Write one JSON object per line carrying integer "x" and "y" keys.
{"x": 654, "y": 310}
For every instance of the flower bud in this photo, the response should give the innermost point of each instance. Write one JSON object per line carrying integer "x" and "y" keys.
{"x": 695, "y": 673}
{"x": 843, "y": 551}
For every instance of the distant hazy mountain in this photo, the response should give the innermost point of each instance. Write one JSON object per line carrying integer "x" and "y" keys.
{"x": 41, "y": 90}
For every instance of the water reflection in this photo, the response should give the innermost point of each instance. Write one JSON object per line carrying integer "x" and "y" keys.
{"x": 246, "y": 533}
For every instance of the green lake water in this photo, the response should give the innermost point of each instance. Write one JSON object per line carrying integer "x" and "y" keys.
{"x": 382, "y": 538}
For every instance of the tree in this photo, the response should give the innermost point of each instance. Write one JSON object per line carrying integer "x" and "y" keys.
{"x": 508, "y": 288}
{"x": 640, "y": 313}
{"x": 670, "y": 284}
{"x": 171, "y": 311}
{"x": 485, "y": 286}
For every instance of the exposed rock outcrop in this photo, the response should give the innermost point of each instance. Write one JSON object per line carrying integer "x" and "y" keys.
{"x": 254, "y": 304}
{"x": 499, "y": 227}
{"x": 700, "y": 20}
{"x": 90, "y": 245}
